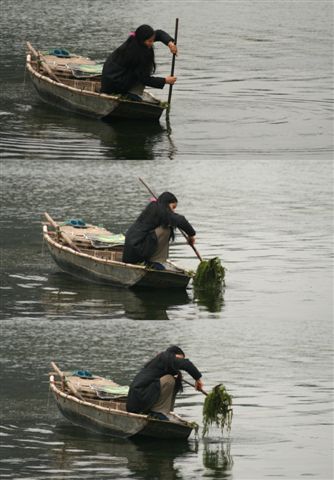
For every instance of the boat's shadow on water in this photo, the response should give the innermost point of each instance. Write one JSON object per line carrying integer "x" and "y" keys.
{"x": 65, "y": 296}
{"x": 136, "y": 140}
{"x": 119, "y": 139}
{"x": 144, "y": 457}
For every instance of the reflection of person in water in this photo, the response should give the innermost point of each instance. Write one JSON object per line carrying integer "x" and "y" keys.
{"x": 154, "y": 388}
{"x": 147, "y": 240}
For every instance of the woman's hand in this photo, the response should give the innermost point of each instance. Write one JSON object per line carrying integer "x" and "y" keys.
{"x": 170, "y": 80}
{"x": 199, "y": 385}
{"x": 172, "y": 47}
{"x": 191, "y": 240}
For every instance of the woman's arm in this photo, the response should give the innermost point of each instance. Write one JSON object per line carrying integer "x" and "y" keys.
{"x": 189, "y": 367}
{"x": 164, "y": 37}
{"x": 150, "y": 81}
{"x": 181, "y": 222}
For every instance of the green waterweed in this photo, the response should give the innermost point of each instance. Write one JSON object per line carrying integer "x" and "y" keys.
{"x": 210, "y": 274}
{"x": 217, "y": 409}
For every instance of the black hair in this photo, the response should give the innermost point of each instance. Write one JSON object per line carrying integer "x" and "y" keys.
{"x": 144, "y": 32}
{"x": 175, "y": 349}
{"x": 134, "y": 54}
{"x": 166, "y": 198}
{"x": 163, "y": 204}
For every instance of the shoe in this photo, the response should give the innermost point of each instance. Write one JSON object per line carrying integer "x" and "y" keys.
{"x": 133, "y": 97}
{"x": 155, "y": 265}
{"x": 158, "y": 416}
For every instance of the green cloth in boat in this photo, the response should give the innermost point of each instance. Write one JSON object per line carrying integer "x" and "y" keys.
{"x": 113, "y": 390}
{"x": 91, "y": 69}
{"x": 113, "y": 238}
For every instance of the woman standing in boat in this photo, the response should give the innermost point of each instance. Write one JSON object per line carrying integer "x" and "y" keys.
{"x": 154, "y": 388}
{"x": 130, "y": 67}
{"x": 147, "y": 240}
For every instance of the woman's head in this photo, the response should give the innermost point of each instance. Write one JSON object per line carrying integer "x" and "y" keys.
{"x": 137, "y": 53}
{"x": 174, "y": 349}
{"x": 168, "y": 199}
{"x": 145, "y": 35}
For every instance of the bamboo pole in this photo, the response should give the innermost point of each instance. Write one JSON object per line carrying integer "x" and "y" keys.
{"x": 173, "y": 63}
{"x": 192, "y": 385}
{"x": 62, "y": 234}
{"x": 63, "y": 379}
{"x": 39, "y": 56}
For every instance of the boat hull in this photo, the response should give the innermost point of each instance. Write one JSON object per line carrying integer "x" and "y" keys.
{"x": 116, "y": 274}
{"x": 92, "y": 104}
{"x": 116, "y": 424}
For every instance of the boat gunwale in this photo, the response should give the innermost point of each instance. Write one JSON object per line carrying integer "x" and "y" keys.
{"x": 83, "y": 91}
{"x": 104, "y": 261}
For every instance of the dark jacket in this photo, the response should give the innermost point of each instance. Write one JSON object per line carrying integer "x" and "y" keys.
{"x": 141, "y": 240}
{"x": 120, "y": 77}
{"x": 145, "y": 388}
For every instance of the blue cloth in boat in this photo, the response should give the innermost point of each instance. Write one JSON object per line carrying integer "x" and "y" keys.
{"x": 58, "y": 52}
{"x": 76, "y": 223}
{"x": 83, "y": 374}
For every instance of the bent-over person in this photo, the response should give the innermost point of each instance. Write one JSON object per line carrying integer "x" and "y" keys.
{"x": 147, "y": 239}
{"x": 130, "y": 67}
{"x": 154, "y": 388}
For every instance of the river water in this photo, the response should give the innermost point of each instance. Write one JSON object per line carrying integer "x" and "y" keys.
{"x": 249, "y": 154}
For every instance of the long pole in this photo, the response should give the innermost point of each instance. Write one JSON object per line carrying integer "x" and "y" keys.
{"x": 173, "y": 63}
{"x": 192, "y": 385}
{"x": 185, "y": 236}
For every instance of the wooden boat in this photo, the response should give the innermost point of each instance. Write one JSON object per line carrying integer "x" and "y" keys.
{"x": 99, "y": 404}
{"x": 53, "y": 78}
{"x": 87, "y": 253}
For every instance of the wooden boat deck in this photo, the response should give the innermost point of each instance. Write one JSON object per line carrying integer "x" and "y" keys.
{"x": 65, "y": 75}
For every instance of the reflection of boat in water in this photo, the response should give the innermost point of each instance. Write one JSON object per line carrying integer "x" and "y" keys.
{"x": 132, "y": 140}
{"x": 57, "y": 82}
{"x": 138, "y": 457}
{"x": 124, "y": 140}
{"x": 91, "y": 254}
{"x": 99, "y": 404}
{"x": 60, "y": 298}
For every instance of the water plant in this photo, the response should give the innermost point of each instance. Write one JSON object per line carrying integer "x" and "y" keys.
{"x": 217, "y": 409}
{"x": 210, "y": 274}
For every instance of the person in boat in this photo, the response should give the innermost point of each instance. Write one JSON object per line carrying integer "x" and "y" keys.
{"x": 147, "y": 240}
{"x": 131, "y": 66}
{"x": 154, "y": 388}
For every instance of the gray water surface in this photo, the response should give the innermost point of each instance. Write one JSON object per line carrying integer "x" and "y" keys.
{"x": 248, "y": 152}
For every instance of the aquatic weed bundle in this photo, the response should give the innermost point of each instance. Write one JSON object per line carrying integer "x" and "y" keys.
{"x": 210, "y": 274}
{"x": 217, "y": 409}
